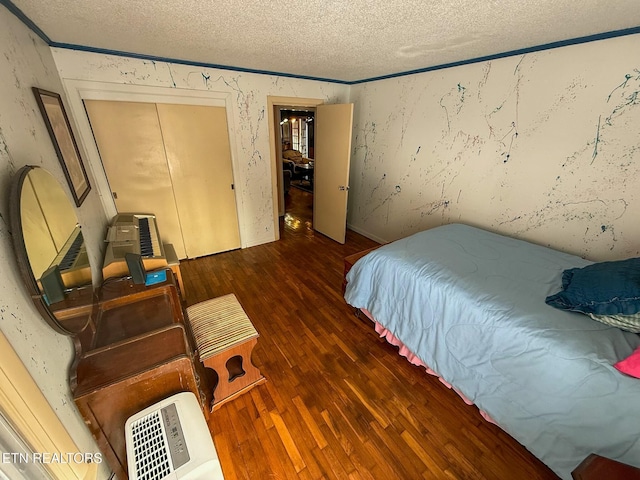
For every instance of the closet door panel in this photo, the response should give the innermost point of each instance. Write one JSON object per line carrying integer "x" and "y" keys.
{"x": 131, "y": 147}
{"x": 196, "y": 140}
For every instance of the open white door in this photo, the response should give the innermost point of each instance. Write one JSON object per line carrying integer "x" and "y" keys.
{"x": 331, "y": 169}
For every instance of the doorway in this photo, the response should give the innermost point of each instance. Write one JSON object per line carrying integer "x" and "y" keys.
{"x": 295, "y": 137}
{"x": 275, "y": 106}
{"x": 333, "y": 126}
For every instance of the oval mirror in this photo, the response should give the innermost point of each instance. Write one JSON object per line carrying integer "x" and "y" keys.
{"x": 50, "y": 250}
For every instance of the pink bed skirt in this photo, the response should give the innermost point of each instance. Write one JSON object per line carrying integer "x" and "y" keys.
{"x": 415, "y": 360}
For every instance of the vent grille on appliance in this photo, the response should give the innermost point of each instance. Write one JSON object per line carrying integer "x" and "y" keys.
{"x": 171, "y": 441}
{"x": 151, "y": 452}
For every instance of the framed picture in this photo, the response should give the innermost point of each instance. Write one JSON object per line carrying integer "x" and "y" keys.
{"x": 57, "y": 122}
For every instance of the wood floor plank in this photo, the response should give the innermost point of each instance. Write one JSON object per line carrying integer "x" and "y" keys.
{"x": 338, "y": 401}
{"x": 377, "y": 414}
{"x": 334, "y": 467}
{"x": 425, "y": 457}
{"x": 288, "y": 442}
{"x": 310, "y": 422}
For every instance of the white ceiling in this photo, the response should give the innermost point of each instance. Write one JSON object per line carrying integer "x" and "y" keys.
{"x": 344, "y": 40}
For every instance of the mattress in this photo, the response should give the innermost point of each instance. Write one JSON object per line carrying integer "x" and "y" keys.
{"x": 470, "y": 304}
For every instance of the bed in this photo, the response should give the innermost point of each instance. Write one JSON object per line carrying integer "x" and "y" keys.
{"x": 470, "y": 305}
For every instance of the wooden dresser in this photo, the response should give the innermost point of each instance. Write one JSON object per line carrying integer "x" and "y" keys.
{"x": 140, "y": 353}
{"x": 132, "y": 345}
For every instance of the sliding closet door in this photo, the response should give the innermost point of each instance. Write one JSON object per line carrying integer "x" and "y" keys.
{"x": 131, "y": 147}
{"x": 196, "y": 141}
{"x": 173, "y": 161}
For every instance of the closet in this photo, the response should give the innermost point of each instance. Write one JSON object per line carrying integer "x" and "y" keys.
{"x": 173, "y": 161}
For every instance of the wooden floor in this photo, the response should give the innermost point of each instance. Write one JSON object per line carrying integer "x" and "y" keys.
{"x": 339, "y": 402}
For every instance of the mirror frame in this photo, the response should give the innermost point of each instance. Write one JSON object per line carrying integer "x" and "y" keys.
{"x": 22, "y": 257}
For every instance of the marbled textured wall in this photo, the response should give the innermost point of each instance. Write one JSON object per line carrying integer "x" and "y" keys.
{"x": 25, "y": 61}
{"x": 543, "y": 146}
{"x": 249, "y": 98}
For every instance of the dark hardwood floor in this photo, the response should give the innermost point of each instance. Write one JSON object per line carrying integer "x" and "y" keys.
{"x": 339, "y": 402}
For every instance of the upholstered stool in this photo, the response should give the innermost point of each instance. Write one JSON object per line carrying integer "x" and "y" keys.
{"x": 225, "y": 338}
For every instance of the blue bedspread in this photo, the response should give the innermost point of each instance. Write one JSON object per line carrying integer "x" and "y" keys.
{"x": 470, "y": 304}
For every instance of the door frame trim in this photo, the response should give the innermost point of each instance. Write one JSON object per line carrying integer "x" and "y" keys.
{"x": 276, "y": 165}
{"x": 32, "y": 417}
{"x": 79, "y": 90}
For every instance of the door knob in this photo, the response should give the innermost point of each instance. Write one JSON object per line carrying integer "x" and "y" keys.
{"x": 342, "y": 188}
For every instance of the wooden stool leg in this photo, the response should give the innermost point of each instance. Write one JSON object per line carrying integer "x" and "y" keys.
{"x": 232, "y": 384}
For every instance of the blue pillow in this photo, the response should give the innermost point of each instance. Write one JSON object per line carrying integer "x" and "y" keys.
{"x": 606, "y": 288}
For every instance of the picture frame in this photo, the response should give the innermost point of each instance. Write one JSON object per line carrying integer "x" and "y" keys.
{"x": 64, "y": 142}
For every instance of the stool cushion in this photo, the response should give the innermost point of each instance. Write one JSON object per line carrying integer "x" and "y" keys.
{"x": 219, "y": 324}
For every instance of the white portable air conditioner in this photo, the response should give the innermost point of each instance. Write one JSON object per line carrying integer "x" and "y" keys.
{"x": 171, "y": 441}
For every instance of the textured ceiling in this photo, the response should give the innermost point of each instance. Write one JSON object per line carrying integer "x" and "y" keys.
{"x": 346, "y": 40}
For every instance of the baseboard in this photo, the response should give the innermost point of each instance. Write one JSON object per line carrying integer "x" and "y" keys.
{"x": 252, "y": 242}
{"x": 255, "y": 241}
{"x": 364, "y": 233}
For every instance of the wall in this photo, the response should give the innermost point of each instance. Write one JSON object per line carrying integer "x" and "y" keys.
{"x": 249, "y": 94}
{"x": 543, "y": 146}
{"x": 25, "y": 62}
